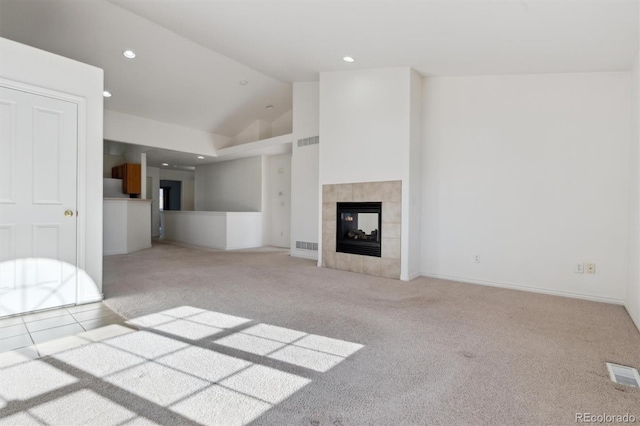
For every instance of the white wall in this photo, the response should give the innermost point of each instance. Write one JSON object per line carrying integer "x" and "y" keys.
{"x": 112, "y": 188}
{"x": 110, "y": 161}
{"x": 154, "y": 174}
{"x": 531, "y": 172}
{"x": 115, "y": 227}
{"x": 188, "y": 195}
{"x": 181, "y": 175}
{"x": 250, "y": 185}
{"x": 133, "y": 153}
{"x": 305, "y": 195}
{"x": 412, "y": 227}
{"x": 364, "y": 122}
{"x": 143, "y": 172}
{"x": 370, "y": 126}
{"x": 282, "y": 125}
{"x": 258, "y": 130}
{"x": 277, "y": 200}
{"x": 143, "y": 131}
{"x": 632, "y": 300}
{"x": 232, "y": 186}
{"x": 25, "y": 64}
{"x": 262, "y": 129}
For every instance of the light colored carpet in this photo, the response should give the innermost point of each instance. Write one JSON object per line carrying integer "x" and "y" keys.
{"x": 434, "y": 352}
{"x": 259, "y": 337}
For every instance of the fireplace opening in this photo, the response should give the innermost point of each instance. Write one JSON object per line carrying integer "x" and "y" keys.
{"x": 358, "y": 228}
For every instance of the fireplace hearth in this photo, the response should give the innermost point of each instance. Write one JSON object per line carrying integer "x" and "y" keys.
{"x": 358, "y": 228}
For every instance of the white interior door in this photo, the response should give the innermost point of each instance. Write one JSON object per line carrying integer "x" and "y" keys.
{"x": 38, "y": 173}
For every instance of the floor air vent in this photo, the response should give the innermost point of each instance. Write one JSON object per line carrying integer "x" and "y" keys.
{"x": 624, "y": 375}
{"x": 303, "y": 245}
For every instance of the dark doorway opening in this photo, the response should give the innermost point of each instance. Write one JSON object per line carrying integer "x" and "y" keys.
{"x": 170, "y": 195}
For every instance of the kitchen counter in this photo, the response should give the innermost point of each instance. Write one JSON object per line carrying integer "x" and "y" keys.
{"x": 219, "y": 230}
{"x": 127, "y": 225}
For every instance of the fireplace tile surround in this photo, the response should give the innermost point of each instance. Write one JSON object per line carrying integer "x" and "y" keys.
{"x": 390, "y": 194}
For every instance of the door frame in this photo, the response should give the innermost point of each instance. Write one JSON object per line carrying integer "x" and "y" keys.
{"x": 81, "y": 158}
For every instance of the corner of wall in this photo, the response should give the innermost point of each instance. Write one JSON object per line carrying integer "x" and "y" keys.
{"x": 305, "y": 186}
{"x": 415, "y": 177}
{"x": 632, "y": 297}
{"x": 265, "y": 201}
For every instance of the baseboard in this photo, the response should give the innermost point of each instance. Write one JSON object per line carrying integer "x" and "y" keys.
{"x": 113, "y": 253}
{"x": 526, "y": 288}
{"x": 411, "y": 277}
{"x": 304, "y": 254}
{"x": 243, "y": 247}
{"x": 634, "y": 319}
{"x": 93, "y": 299}
{"x": 192, "y": 244}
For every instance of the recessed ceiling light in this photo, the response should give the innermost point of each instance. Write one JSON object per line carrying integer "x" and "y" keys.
{"x": 129, "y": 54}
{"x": 243, "y": 82}
{"x": 106, "y": 94}
{"x": 348, "y": 59}
{"x": 269, "y": 107}
{"x": 200, "y": 157}
{"x": 165, "y": 164}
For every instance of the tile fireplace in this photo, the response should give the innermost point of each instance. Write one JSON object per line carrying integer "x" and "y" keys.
{"x": 361, "y": 227}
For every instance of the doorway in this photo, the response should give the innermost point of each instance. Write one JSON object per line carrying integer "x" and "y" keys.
{"x": 169, "y": 198}
{"x": 170, "y": 195}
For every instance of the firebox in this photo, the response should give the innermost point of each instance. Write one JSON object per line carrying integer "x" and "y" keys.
{"x": 358, "y": 228}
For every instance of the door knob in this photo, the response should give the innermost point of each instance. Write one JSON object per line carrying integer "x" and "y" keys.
{"x": 68, "y": 213}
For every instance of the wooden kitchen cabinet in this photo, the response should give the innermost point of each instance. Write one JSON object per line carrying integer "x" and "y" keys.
{"x": 131, "y": 176}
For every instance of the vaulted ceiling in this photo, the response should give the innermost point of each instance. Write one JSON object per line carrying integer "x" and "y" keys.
{"x": 294, "y": 40}
{"x": 172, "y": 79}
{"x": 192, "y": 54}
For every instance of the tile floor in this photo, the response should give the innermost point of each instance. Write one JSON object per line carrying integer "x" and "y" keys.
{"x": 34, "y": 334}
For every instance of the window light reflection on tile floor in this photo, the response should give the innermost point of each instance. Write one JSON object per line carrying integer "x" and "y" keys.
{"x": 169, "y": 375}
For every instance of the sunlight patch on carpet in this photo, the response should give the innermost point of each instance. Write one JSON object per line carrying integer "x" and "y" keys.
{"x": 30, "y": 379}
{"x": 157, "y": 369}
{"x": 310, "y": 351}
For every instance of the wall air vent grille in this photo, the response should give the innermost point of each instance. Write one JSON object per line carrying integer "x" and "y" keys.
{"x": 303, "y": 245}
{"x": 623, "y": 375}
{"x": 308, "y": 141}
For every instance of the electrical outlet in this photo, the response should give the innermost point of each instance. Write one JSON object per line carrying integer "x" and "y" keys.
{"x": 476, "y": 258}
{"x": 578, "y": 268}
{"x": 591, "y": 268}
